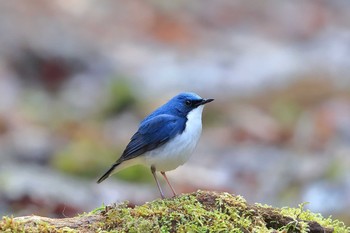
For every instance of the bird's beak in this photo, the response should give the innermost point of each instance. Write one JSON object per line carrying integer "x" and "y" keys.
{"x": 204, "y": 101}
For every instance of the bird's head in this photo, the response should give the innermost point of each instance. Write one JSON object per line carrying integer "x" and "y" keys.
{"x": 185, "y": 102}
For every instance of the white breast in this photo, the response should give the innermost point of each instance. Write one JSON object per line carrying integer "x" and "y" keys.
{"x": 178, "y": 150}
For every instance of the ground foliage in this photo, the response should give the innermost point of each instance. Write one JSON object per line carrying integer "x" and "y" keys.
{"x": 202, "y": 211}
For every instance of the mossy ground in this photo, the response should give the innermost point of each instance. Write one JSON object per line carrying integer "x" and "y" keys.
{"x": 201, "y": 211}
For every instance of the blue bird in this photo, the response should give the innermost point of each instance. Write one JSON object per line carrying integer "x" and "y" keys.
{"x": 166, "y": 138}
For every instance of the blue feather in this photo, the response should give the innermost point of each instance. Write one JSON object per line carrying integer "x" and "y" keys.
{"x": 152, "y": 133}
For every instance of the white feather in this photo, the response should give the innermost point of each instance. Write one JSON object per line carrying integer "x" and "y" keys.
{"x": 176, "y": 151}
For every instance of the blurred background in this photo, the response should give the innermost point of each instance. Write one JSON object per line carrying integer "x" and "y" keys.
{"x": 76, "y": 77}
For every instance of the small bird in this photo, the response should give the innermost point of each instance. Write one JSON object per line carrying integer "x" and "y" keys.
{"x": 166, "y": 138}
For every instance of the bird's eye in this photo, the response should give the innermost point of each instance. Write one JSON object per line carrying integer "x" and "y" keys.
{"x": 188, "y": 102}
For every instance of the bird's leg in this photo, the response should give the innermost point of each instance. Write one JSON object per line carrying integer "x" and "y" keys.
{"x": 153, "y": 169}
{"x": 166, "y": 178}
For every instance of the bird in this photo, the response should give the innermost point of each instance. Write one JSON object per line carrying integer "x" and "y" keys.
{"x": 165, "y": 139}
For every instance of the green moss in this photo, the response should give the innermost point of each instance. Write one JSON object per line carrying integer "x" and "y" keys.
{"x": 82, "y": 157}
{"x": 307, "y": 215}
{"x": 208, "y": 212}
{"x": 137, "y": 173}
{"x": 196, "y": 212}
{"x": 286, "y": 111}
{"x": 8, "y": 224}
{"x": 120, "y": 97}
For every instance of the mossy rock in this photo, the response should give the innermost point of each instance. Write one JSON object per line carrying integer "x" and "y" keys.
{"x": 201, "y": 211}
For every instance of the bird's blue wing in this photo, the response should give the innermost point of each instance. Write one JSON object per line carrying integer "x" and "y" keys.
{"x": 153, "y": 133}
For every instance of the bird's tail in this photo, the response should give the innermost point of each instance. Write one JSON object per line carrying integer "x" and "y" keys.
{"x": 108, "y": 173}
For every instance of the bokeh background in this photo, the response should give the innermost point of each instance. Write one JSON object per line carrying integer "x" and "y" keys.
{"x": 76, "y": 77}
